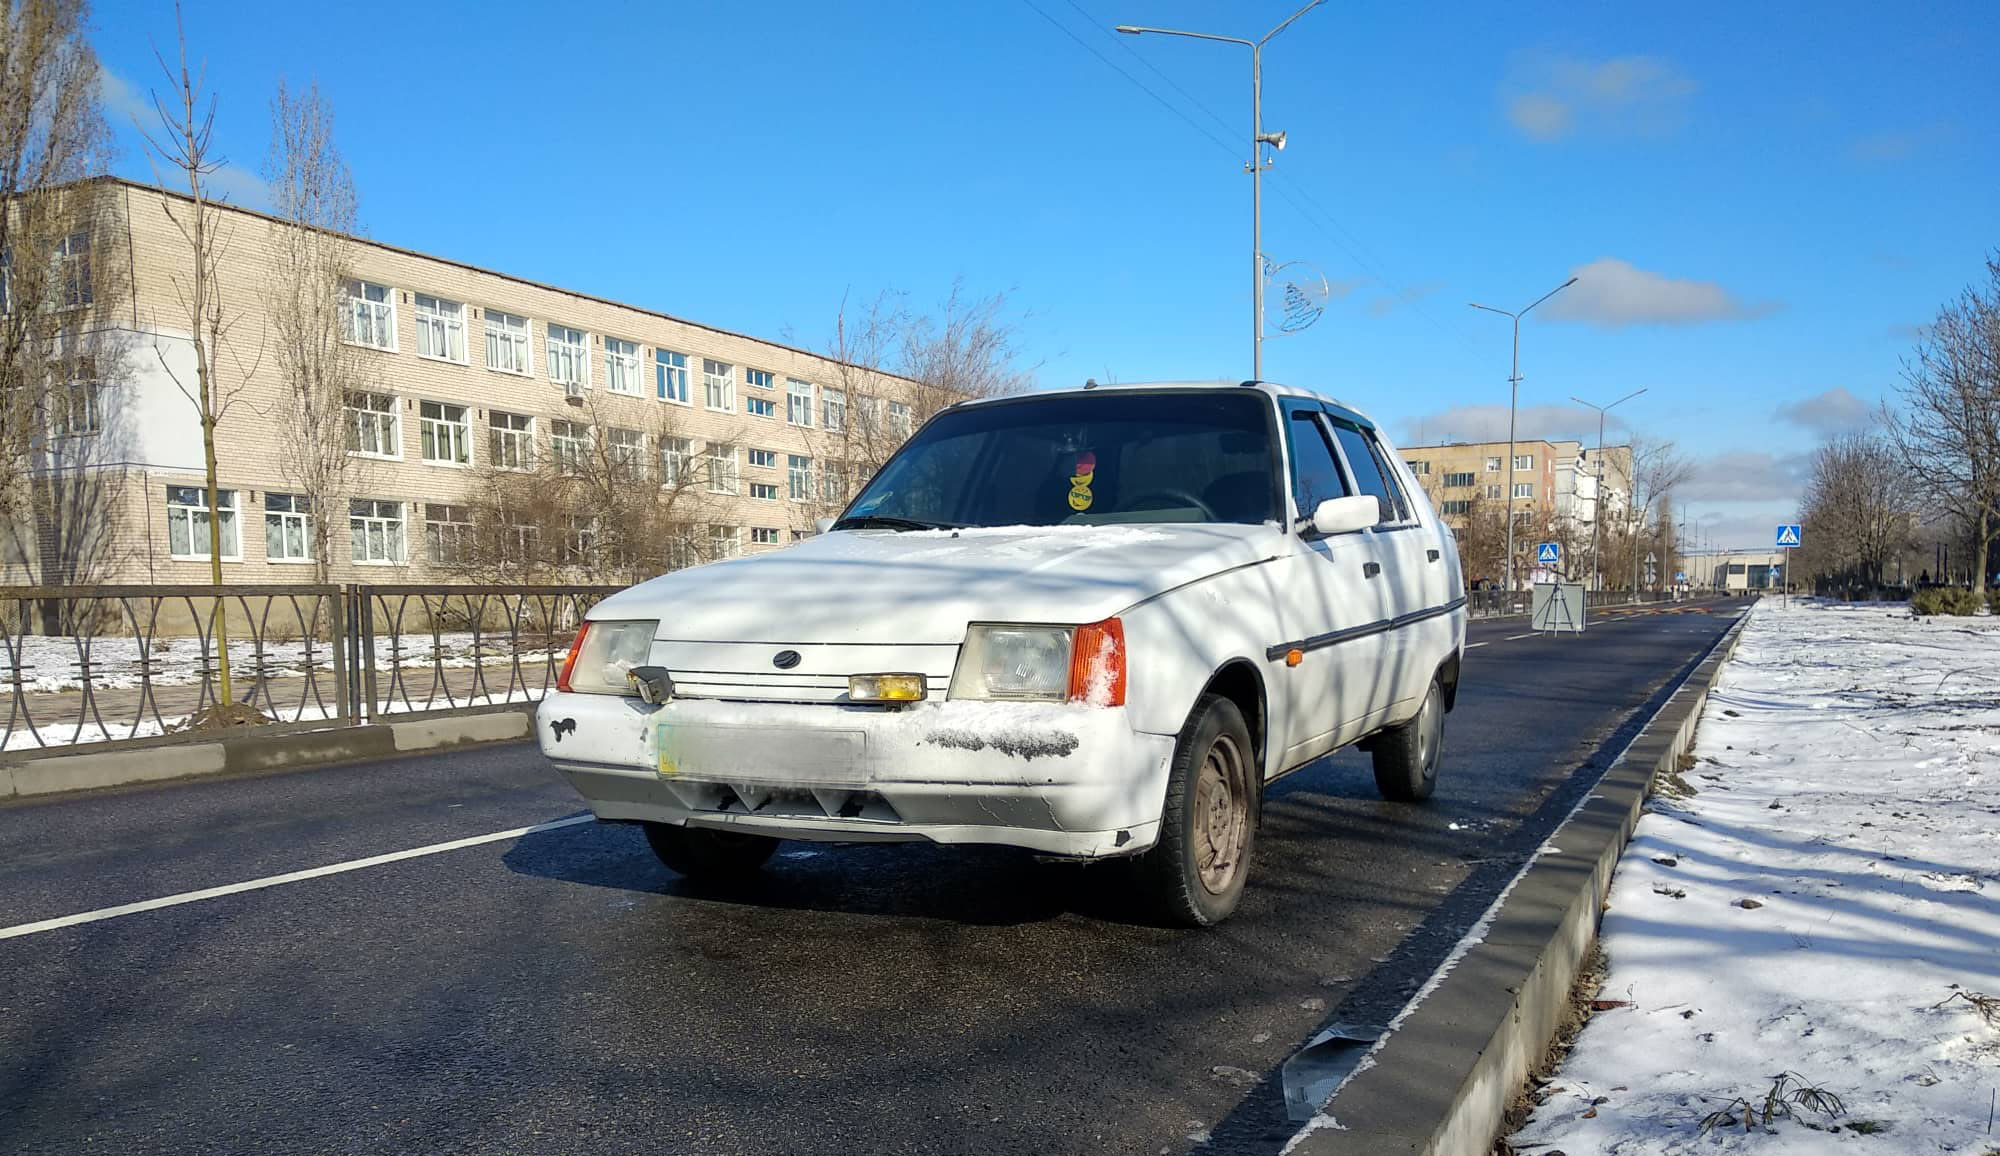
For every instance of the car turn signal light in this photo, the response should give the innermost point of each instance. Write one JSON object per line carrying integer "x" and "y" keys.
{"x": 886, "y": 688}
{"x": 1097, "y": 664}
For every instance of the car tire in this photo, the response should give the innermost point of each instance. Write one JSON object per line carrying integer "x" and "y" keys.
{"x": 1406, "y": 757}
{"x": 699, "y": 853}
{"x": 1193, "y": 876}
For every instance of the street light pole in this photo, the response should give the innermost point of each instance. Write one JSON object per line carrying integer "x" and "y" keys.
{"x": 1513, "y": 404}
{"x": 1255, "y": 167}
{"x": 1597, "y": 498}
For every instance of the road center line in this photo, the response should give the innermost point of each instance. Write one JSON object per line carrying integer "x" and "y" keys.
{"x": 103, "y": 913}
{"x": 1512, "y": 637}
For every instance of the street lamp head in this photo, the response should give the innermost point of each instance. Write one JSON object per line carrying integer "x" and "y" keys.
{"x": 1130, "y": 29}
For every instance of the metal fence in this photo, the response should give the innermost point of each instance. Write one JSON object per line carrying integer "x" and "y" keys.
{"x": 133, "y": 665}
{"x": 1499, "y": 604}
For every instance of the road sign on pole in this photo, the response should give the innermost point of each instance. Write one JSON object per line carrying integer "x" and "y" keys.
{"x": 1789, "y": 536}
{"x": 1548, "y": 554}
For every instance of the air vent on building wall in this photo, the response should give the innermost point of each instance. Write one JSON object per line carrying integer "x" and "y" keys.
{"x": 573, "y": 393}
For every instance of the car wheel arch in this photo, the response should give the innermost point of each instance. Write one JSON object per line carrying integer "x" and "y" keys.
{"x": 1239, "y": 681}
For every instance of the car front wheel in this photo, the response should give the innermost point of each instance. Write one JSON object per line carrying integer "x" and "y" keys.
{"x": 699, "y": 853}
{"x": 1194, "y": 875}
{"x": 1406, "y": 757}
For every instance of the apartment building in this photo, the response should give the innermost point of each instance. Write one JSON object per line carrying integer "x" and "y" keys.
{"x": 471, "y": 373}
{"x": 1552, "y": 480}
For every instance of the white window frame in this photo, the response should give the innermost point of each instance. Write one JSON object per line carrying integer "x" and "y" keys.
{"x": 900, "y": 422}
{"x": 572, "y": 461}
{"x": 833, "y": 483}
{"x": 567, "y": 355}
{"x": 761, "y": 407}
{"x": 1524, "y": 490}
{"x": 440, "y": 322}
{"x": 509, "y": 441}
{"x": 625, "y": 451}
{"x": 766, "y": 536}
{"x": 434, "y": 432}
{"x": 670, "y": 377}
{"x": 1493, "y": 465}
{"x": 294, "y": 516}
{"x": 436, "y": 531}
{"x": 798, "y": 403}
{"x": 724, "y": 469}
{"x": 1524, "y": 461}
{"x": 833, "y": 410}
{"x": 769, "y": 459}
{"x": 508, "y": 340}
{"x": 675, "y": 454}
{"x": 82, "y": 396}
{"x": 799, "y": 478}
{"x": 718, "y": 385}
{"x": 387, "y": 424}
{"x": 760, "y": 378}
{"x": 72, "y": 270}
{"x": 621, "y": 366}
{"x": 773, "y": 495}
{"x": 394, "y": 530}
{"x": 367, "y": 320}
{"x": 725, "y": 542}
{"x": 189, "y": 505}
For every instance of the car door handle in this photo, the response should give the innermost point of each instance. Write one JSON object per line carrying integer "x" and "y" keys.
{"x": 1433, "y": 554}
{"x": 1370, "y": 569}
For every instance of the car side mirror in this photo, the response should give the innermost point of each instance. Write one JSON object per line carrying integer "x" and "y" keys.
{"x": 822, "y": 524}
{"x": 1346, "y": 515}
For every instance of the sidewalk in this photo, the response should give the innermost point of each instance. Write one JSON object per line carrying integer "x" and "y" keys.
{"x": 1807, "y": 945}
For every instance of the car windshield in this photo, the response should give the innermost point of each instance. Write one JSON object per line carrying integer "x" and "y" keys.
{"x": 1081, "y": 459}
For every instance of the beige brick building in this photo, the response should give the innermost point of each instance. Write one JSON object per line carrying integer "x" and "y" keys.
{"x": 1555, "y": 487}
{"x": 471, "y": 373}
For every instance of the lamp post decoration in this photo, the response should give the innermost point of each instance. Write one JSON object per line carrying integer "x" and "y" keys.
{"x": 1597, "y": 498}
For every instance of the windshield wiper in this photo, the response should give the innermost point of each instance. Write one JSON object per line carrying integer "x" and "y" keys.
{"x": 888, "y": 522}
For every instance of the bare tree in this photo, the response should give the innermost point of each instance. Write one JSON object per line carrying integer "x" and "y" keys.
{"x": 893, "y": 369}
{"x": 607, "y": 499}
{"x": 1658, "y": 468}
{"x": 1947, "y": 428}
{"x": 184, "y": 142}
{"x": 1856, "y": 511}
{"x": 59, "y": 277}
{"x": 312, "y": 192}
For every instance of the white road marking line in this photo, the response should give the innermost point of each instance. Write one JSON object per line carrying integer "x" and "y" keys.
{"x": 278, "y": 880}
{"x": 1512, "y": 637}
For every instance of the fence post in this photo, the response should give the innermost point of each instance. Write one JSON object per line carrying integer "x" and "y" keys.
{"x": 367, "y": 660}
{"x": 337, "y": 636}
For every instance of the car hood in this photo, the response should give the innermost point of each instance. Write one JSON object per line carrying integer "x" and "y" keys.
{"x": 924, "y": 586}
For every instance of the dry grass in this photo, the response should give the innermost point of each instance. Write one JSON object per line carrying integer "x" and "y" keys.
{"x": 1788, "y": 1094}
{"x": 1987, "y": 1006}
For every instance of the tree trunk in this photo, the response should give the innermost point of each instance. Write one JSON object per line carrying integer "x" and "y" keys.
{"x": 224, "y": 696}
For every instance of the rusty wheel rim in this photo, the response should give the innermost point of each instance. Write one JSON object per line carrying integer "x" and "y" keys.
{"x": 1221, "y": 815}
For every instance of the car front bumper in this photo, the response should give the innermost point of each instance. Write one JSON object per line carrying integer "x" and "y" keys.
{"x": 1058, "y": 779}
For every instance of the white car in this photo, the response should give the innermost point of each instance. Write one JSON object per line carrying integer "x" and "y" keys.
{"x": 1091, "y": 623}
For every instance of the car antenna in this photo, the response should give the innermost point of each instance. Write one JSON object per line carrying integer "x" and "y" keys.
{"x": 1090, "y": 383}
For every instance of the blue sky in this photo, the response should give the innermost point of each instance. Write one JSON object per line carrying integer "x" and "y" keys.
{"x": 1761, "y": 200}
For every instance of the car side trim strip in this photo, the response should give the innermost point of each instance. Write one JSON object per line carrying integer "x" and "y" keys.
{"x": 1383, "y": 626}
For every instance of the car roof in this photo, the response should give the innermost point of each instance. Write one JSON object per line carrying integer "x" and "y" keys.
{"x": 1270, "y": 388}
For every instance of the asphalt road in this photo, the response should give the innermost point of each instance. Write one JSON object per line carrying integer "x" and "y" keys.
{"x": 563, "y": 992}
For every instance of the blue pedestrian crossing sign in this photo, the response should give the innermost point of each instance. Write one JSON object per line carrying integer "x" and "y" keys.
{"x": 1789, "y": 536}
{"x": 1548, "y": 554}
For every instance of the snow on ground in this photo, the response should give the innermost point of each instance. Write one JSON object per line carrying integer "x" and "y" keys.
{"x": 1823, "y": 905}
{"x": 49, "y": 664}
{"x": 60, "y": 734}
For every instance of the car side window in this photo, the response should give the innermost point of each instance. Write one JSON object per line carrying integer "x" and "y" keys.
{"x": 1365, "y": 462}
{"x": 1315, "y": 474}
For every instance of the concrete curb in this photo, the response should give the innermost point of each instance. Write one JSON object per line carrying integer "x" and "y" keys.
{"x": 1440, "y": 1082}
{"x": 86, "y": 770}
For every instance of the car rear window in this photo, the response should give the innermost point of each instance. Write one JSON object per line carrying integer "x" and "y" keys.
{"x": 1114, "y": 457}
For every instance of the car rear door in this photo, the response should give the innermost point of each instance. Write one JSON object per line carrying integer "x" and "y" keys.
{"x": 1334, "y": 612}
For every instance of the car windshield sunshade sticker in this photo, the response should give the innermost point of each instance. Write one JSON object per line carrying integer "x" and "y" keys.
{"x": 1079, "y": 482}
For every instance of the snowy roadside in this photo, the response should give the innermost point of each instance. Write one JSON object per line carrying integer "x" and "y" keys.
{"x": 1806, "y": 945}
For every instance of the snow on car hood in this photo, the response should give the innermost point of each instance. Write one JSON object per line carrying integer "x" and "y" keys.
{"x": 924, "y": 586}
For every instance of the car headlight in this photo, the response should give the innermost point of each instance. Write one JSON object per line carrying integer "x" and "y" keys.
{"x": 602, "y": 653}
{"x": 1005, "y": 662}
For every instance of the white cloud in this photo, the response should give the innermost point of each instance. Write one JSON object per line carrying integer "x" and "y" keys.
{"x": 1746, "y": 476}
{"x": 122, "y": 103}
{"x": 1833, "y": 412}
{"x": 243, "y": 188}
{"x": 1384, "y": 305}
{"x": 1612, "y": 293}
{"x": 1551, "y": 97}
{"x": 1488, "y": 423}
